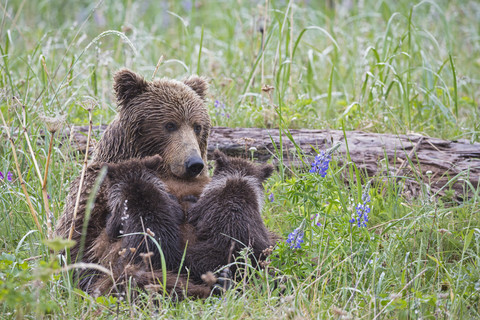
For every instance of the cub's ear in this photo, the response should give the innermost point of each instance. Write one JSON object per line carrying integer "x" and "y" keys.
{"x": 221, "y": 160}
{"x": 127, "y": 85}
{"x": 153, "y": 163}
{"x": 111, "y": 169}
{"x": 266, "y": 171}
{"x": 198, "y": 84}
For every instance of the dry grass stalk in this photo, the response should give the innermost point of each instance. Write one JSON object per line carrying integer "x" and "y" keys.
{"x": 89, "y": 105}
{"x": 19, "y": 173}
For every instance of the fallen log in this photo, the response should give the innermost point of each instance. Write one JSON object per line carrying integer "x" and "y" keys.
{"x": 440, "y": 164}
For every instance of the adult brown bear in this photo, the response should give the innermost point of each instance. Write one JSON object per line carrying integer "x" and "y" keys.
{"x": 163, "y": 117}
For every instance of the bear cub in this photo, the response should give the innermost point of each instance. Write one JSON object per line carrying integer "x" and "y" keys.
{"x": 138, "y": 203}
{"x": 227, "y": 217}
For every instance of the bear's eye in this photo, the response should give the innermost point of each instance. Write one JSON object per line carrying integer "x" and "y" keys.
{"x": 197, "y": 128}
{"x": 171, "y": 126}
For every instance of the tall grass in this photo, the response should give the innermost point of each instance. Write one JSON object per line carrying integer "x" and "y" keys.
{"x": 379, "y": 66}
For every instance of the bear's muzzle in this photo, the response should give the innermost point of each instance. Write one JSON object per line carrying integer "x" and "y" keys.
{"x": 194, "y": 165}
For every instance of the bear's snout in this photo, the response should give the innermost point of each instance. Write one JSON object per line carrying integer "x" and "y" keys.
{"x": 194, "y": 165}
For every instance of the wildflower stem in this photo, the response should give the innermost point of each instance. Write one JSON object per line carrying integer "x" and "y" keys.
{"x": 264, "y": 22}
{"x": 82, "y": 176}
{"x": 44, "y": 188}
{"x": 430, "y": 235}
{"x": 44, "y": 184}
{"x": 19, "y": 173}
{"x": 37, "y": 168}
{"x": 25, "y": 133}
{"x": 403, "y": 289}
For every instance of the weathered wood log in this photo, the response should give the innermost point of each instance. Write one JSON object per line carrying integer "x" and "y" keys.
{"x": 443, "y": 164}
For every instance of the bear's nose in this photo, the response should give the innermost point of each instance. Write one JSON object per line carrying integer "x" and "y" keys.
{"x": 194, "y": 166}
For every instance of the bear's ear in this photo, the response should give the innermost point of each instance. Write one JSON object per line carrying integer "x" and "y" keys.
{"x": 127, "y": 85}
{"x": 111, "y": 169}
{"x": 266, "y": 171}
{"x": 221, "y": 160}
{"x": 198, "y": 84}
{"x": 153, "y": 163}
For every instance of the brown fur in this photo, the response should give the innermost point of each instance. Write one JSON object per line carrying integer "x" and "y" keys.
{"x": 97, "y": 222}
{"x": 142, "y": 126}
{"x": 187, "y": 192}
{"x": 125, "y": 272}
{"x": 227, "y": 217}
{"x": 138, "y": 202}
{"x": 164, "y": 117}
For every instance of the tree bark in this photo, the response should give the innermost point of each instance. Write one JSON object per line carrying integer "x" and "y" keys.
{"x": 417, "y": 162}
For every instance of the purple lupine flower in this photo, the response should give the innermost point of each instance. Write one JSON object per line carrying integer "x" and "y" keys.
{"x": 271, "y": 197}
{"x": 220, "y": 109}
{"x": 362, "y": 210}
{"x": 295, "y": 239}
{"x": 1, "y": 175}
{"x": 217, "y": 104}
{"x": 322, "y": 160}
{"x": 318, "y": 224}
{"x": 9, "y": 176}
{"x": 320, "y": 163}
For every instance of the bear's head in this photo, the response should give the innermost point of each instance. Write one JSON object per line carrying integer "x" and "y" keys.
{"x": 134, "y": 179}
{"x": 165, "y": 117}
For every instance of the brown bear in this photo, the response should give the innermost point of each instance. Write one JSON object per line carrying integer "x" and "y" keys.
{"x": 164, "y": 117}
{"x": 137, "y": 202}
{"x": 226, "y": 218}
{"x": 142, "y": 217}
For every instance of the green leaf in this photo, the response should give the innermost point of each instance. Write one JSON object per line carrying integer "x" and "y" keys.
{"x": 57, "y": 244}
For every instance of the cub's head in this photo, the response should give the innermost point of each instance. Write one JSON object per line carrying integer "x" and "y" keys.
{"x": 136, "y": 180}
{"x": 228, "y": 166}
{"x": 133, "y": 170}
{"x": 165, "y": 117}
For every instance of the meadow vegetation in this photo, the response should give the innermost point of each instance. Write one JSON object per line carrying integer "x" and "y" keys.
{"x": 372, "y": 65}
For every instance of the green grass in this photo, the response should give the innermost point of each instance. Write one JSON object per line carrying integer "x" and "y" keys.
{"x": 379, "y": 66}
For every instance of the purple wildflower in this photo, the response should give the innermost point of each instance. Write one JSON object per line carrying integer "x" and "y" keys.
{"x": 217, "y": 104}
{"x": 318, "y": 224}
{"x": 9, "y": 176}
{"x": 295, "y": 239}
{"x": 320, "y": 163}
{"x": 220, "y": 109}
{"x": 187, "y": 5}
{"x": 322, "y": 160}
{"x": 271, "y": 197}
{"x": 362, "y": 210}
